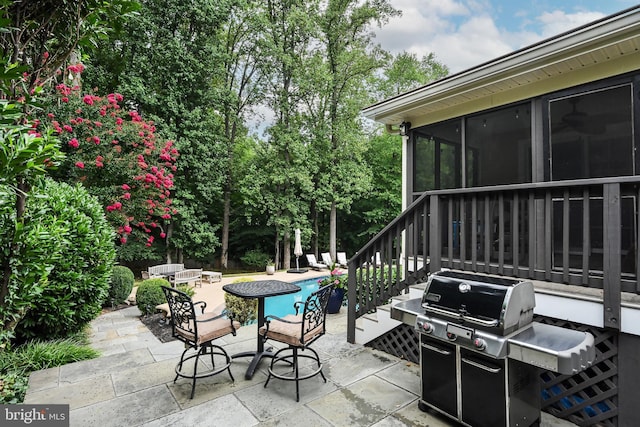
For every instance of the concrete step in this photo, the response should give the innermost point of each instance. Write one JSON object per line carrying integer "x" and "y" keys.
{"x": 372, "y": 325}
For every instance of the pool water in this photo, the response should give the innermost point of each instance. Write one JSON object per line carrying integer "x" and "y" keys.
{"x": 283, "y": 304}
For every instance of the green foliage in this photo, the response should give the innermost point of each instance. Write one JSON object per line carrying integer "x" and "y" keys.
{"x": 406, "y": 72}
{"x": 187, "y": 289}
{"x": 149, "y": 295}
{"x": 121, "y": 284}
{"x": 244, "y": 310}
{"x": 24, "y": 158}
{"x": 372, "y": 212}
{"x": 24, "y": 155}
{"x": 17, "y": 364}
{"x": 79, "y": 248}
{"x": 256, "y": 258}
{"x": 30, "y": 250}
{"x": 43, "y": 35}
{"x": 13, "y": 387}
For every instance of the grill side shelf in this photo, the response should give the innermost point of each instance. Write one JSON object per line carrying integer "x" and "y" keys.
{"x": 553, "y": 348}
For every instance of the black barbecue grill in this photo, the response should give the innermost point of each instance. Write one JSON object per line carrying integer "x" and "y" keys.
{"x": 481, "y": 352}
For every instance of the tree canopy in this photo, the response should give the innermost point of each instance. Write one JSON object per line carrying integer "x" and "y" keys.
{"x": 262, "y": 100}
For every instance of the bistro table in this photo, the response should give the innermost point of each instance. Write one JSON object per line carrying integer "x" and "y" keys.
{"x": 259, "y": 289}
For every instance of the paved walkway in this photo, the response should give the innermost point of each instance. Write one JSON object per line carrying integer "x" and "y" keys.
{"x": 131, "y": 384}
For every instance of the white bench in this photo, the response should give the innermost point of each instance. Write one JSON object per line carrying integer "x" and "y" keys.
{"x": 211, "y": 276}
{"x": 163, "y": 270}
{"x": 186, "y": 276}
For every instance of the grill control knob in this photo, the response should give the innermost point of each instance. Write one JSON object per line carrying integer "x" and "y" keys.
{"x": 479, "y": 343}
{"x": 451, "y": 336}
{"x": 427, "y": 327}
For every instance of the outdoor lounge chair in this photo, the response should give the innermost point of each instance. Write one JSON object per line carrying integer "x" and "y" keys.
{"x": 342, "y": 259}
{"x": 198, "y": 331}
{"x": 326, "y": 259}
{"x": 313, "y": 263}
{"x": 298, "y": 331}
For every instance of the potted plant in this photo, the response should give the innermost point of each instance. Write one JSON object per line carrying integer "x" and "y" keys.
{"x": 271, "y": 267}
{"x": 339, "y": 279}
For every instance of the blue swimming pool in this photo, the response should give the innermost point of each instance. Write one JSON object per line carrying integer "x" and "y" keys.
{"x": 282, "y": 305}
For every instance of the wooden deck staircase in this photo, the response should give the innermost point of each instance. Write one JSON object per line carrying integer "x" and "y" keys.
{"x": 373, "y": 325}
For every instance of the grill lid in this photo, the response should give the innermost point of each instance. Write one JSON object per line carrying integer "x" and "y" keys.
{"x": 484, "y": 301}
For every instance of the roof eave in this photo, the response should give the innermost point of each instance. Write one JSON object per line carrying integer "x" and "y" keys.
{"x": 525, "y": 62}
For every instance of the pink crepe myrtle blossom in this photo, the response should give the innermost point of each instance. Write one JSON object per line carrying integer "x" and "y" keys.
{"x": 131, "y": 152}
{"x": 76, "y": 68}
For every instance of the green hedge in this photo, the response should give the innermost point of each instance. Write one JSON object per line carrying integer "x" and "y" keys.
{"x": 244, "y": 310}
{"x": 121, "y": 284}
{"x": 149, "y": 295}
{"x": 79, "y": 249}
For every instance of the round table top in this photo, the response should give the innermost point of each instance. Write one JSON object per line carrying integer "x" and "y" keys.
{"x": 261, "y": 288}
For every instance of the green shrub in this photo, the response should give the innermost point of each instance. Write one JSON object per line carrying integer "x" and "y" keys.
{"x": 255, "y": 258}
{"x": 13, "y": 387}
{"x": 244, "y": 310}
{"x": 80, "y": 252}
{"x": 121, "y": 284}
{"x": 16, "y": 365}
{"x": 187, "y": 289}
{"x": 149, "y": 295}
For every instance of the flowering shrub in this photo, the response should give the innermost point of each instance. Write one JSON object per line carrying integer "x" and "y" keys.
{"x": 337, "y": 277}
{"x": 115, "y": 154}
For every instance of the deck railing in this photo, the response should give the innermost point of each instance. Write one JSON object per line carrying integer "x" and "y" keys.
{"x": 581, "y": 232}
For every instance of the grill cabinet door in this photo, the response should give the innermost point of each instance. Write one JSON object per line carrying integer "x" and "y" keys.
{"x": 483, "y": 390}
{"x": 438, "y": 365}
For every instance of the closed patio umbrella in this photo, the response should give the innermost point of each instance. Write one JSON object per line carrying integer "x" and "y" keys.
{"x": 297, "y": 251}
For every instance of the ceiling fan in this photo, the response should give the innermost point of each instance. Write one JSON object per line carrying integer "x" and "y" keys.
{"x": 583, "y": 122}
{"x": 586, "y": 123}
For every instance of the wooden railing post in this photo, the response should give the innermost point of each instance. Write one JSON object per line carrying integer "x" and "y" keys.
{"x": 351, "y": 298}
{"x": 611, "y": 252}
{"x": 435, "y": 234}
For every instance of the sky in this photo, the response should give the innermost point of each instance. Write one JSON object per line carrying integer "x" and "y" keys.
{"x": 465, "y": 33}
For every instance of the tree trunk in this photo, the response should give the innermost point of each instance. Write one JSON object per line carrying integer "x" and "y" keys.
{"x": 224, "y": 258}
{"x": 276, "y": 259}
{"x": 21, "y": 202}
{"x": 287, "y": 250}
{"x": 314, "y": 235}
{"x": 166, "y": 242}
{"x": 333, "y": 219}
